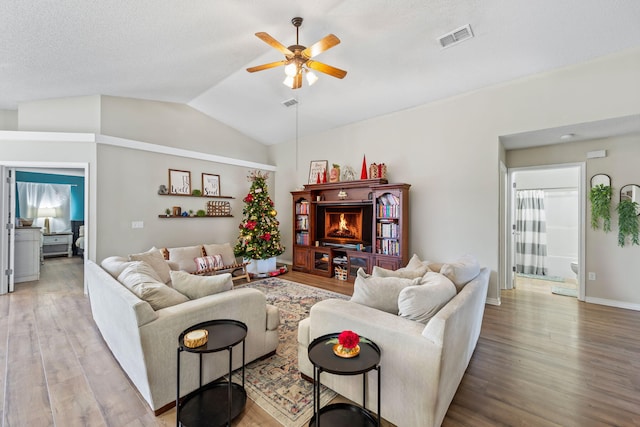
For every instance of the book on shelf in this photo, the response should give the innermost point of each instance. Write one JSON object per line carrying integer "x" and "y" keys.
{"x": 302, "y": 208}
{"x": 388, "y": 247}
{"x": 302, "y": 222}
{"x": 302, "y": 238}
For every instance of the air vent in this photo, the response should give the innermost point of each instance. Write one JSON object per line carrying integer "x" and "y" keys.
{"x": 456, "y": 36}
{"x": 290, "y": 102}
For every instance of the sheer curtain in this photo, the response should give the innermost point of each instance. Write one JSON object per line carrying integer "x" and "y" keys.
{"x": 33, "y": 196}
{"x": 531, "y": 232}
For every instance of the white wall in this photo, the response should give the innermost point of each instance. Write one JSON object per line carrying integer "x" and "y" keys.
{"x": 449, "y": 150}
{"x": 74, "y": 114}
{"x": 8, "y": 119}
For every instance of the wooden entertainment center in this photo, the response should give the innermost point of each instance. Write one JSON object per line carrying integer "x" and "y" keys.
{"x": 343, "y": 226}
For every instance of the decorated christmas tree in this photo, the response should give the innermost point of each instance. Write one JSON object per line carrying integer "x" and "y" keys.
{"x": 259, "y": 235}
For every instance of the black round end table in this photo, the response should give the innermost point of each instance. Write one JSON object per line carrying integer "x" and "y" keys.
{"x": 324, "y": 360}
{"x": 216, "y": 403}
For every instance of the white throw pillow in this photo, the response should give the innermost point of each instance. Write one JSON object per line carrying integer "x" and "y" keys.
{"x": 156, "y": 260}
{"x": 404, "y": 272}
{"x": 114, "y": 265}
{"x": 462, "y": 271}
{"x": 379, "y": 292}
{"x": 196, "y": 287}
{"x": 185, "y": 256}
{"x": 421, "y": 303}
{"x": 416, "y": 262}
{"x": 224, "y": 249}
{"x": 143, "y": 281}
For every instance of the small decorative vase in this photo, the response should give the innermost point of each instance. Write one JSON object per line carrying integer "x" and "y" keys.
{"x": 346, "y": 353}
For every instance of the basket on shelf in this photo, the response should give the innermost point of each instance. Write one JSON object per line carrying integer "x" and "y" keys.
{"x": 341, "y": 273}
{"x": 218, "y": 208}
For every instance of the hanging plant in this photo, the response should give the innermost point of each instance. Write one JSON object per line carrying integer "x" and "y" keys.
{"x": 627, "y": 222}
{"x": 600, "y": 198}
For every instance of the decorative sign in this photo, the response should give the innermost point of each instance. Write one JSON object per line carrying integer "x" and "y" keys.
{"x": 179, "y": 182}
{"x": 316, "y": 170}
{"x": 210, "y": 185}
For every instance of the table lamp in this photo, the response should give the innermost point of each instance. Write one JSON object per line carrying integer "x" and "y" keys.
{"x": 46, "y": 213}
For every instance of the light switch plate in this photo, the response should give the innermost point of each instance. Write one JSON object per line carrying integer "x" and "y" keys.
{"x": 137, "y": 224}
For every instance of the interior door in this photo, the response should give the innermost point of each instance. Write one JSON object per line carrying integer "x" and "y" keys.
{"x": 7, "y": 198}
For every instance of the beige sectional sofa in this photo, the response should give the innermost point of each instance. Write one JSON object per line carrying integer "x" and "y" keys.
{"x": 144, "y": 340}
{"x": 421, "y": 364}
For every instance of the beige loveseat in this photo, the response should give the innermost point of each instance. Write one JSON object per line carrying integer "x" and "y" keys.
{"x": 421, "y": 365}
{"x": 144, "y": 341}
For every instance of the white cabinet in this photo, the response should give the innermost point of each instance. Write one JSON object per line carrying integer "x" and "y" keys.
{"x": 57, "y": 244}
{"x": 27, "y": 254}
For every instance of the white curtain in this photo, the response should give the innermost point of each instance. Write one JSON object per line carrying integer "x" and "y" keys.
{"x": 33, "y": 196}
{"x": 531, "y": 232}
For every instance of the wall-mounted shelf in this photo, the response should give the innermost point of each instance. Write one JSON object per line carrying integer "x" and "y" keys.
{"x": 191, "y": 195}
{"x": 191, "y": 217}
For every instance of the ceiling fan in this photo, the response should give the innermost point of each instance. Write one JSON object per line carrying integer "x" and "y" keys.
{"x": 298, "y": 58}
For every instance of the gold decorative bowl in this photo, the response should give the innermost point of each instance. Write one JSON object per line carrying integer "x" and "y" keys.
{"x": 196, "y": 338}
{"x": 340, "y": 351}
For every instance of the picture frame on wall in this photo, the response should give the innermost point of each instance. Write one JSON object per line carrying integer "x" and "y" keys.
{"x": 317, "y": 168}
{"x": 210, "y": 184}
{"x": 179, "y": 182}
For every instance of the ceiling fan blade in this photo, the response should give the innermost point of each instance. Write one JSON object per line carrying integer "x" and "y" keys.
{"x": 320, "y": 46}
{"x": 327, "y": 69}
{"x": 266, "y": 66}
{"x": 274, "y": 43}
{"x": 297, "y": 81}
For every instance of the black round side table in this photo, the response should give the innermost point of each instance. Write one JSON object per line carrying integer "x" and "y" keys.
{"x": 324, "y": 360}
{"x": 216, "y": 403}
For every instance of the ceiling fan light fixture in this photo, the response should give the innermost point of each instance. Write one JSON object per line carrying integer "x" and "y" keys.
{"x": 311, "y": 77}
{"x": 291, "y": 69}
{"x": 288, "y": 81}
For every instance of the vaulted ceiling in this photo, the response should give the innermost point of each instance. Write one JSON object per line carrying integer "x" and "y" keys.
{"x": 196, "y": 52}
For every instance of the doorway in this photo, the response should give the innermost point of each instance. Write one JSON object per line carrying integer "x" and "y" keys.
{"x": 10, "y": 217}
{"x": 546, "y": 229}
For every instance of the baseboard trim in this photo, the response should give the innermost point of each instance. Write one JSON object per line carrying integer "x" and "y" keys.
{"x": 493, "y": 301}
{"x": 613, "y": 303}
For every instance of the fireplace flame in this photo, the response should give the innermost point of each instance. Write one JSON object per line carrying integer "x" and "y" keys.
{"x": 342, "y": 226}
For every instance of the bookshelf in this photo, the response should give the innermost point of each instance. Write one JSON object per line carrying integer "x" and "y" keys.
{"x": 388, "y": 224}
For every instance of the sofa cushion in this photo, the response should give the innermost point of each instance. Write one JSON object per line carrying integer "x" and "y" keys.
{"x": 195, "y": 287}
{"x": 206, "y": 263}
{"x": 114, "y": 265}
{"x": 421, "y": 303}
{"x": 224, "y": 249}
{"x": 404, "y": 272}
{"x": 143, "y": 281}
{"x": 379, "y": 292}
{"x": 461, "y": 271}
{"x": 184, "y": 257}
{"x": 156, "y": 260}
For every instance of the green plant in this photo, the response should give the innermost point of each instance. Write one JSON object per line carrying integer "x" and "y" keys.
{"x": 196, "y": 193}
{"x": 167, "y": 211}
{"x": 201, "y": 212}
{"x": 627, "y": 222}
{"x": 600, "y": 198}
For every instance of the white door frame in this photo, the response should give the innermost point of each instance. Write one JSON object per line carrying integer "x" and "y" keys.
{"x": 508, "y": 237}
{"x": 51, "y": 165}
{"x": 7, "y": 220}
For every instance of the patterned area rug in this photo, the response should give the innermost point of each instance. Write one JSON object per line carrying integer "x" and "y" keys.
{"x": 274, "y": 383}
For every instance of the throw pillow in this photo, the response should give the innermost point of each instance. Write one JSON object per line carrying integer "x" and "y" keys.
{"x": 156, "y": 260}
{"x": 462, "y": 271}
{"x": 114, "y": 265}
{"x": 421, "y": 303}
{"x": 184, "y": 257}
{"x": 379, "y": 292}
{"x": 195, "y": 287}
{"x": 142, "y": 280}
{"x": 208, "y": 262}
{"x": 404, "y": 272}
{"x": 224, "y": 249}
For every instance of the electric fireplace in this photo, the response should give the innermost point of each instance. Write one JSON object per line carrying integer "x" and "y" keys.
{"x": 344, "y": 225}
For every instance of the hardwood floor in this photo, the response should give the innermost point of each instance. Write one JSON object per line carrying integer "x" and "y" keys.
{"x": 542, "y": 360}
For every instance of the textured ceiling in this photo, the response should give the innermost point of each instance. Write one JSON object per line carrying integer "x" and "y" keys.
{"x": 196, "y": 52}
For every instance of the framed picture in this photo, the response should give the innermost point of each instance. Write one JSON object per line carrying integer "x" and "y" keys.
{"x": 210, "y": 184}
{"x": 317, "y": 168}
{"x": 179, "y": 182}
